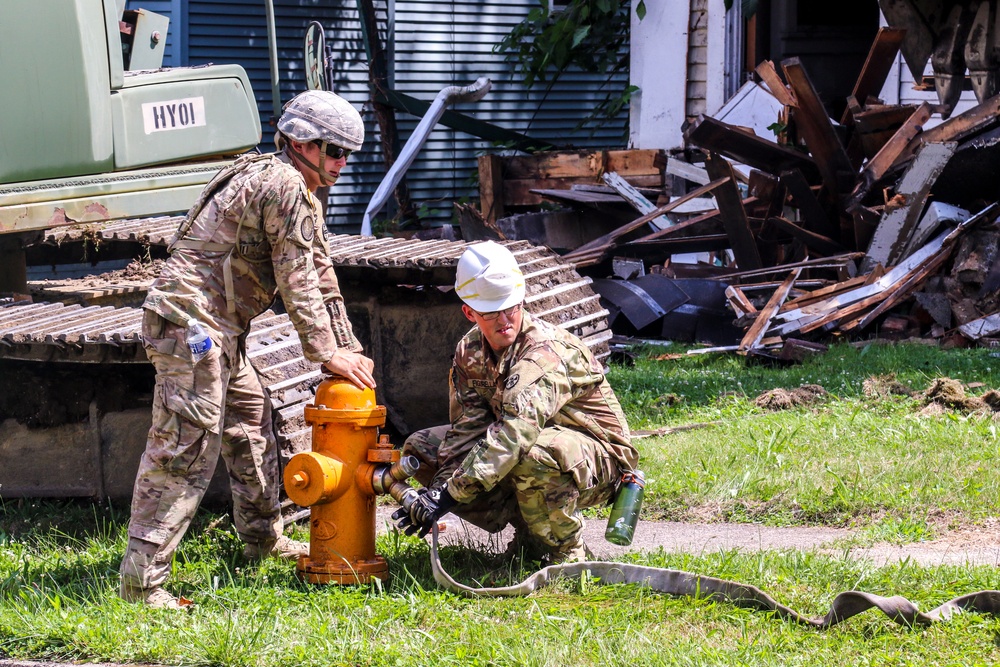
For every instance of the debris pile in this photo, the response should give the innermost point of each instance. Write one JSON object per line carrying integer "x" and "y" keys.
{"x": 880, "y": 223}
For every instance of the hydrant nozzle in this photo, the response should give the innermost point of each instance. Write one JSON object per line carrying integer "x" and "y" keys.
{"x": 338, "y": 480}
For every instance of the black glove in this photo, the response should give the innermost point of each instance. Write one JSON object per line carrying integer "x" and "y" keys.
{"x": 430, "y": 505}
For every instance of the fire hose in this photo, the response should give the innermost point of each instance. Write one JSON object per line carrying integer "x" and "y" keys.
{"x": 688, "y": 584}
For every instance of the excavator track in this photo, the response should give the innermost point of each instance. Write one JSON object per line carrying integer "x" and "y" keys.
{"x": 398, "y": 295}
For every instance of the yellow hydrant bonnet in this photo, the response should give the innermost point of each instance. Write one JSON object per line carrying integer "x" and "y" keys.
{"x": 488, "y": 278}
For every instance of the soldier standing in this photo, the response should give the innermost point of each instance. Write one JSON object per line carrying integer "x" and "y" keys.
{"x": 537, "y": 433}
{"x": 256, "y": 231}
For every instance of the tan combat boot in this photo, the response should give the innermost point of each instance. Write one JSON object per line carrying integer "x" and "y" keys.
{"x": 573, "y": 552}
{"x": 285, "y": 548}
{"x": 157, "y": 597}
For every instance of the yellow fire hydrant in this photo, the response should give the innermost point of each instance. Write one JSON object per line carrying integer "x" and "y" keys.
{"x": 338, "y": 480}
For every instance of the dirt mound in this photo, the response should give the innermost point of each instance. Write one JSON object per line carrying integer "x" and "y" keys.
{"x": 883, "y": 386}
{"x": 950, "y": 393}
{"x": 783, "y": 399}
{"x": 136, "y": 272}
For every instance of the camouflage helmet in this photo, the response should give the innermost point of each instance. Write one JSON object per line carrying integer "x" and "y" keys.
{"x": 325, "y": 116}
{"x": 488, "y": 278}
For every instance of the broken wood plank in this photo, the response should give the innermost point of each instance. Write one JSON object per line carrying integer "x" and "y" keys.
{"x": 734, "y": 216}
{"x": 902, "y": 213}
{"x": 604, "y": 242}
{"x": 635, "y": 198}
{"x": 823, "y": 293}
{"x": 817, "y": 131}
{"x": 880, "y": 165}
{"x": 845, "y": 304}
{"x": 977, "y": 119}
{"x": 582, "y": 165}
{"x": 901, "y": 292}
{"x": 739, "y": 302}
{"x": 769, "y": 75}
{"x": 687, "y": 171}
{"x": 719, "y": 137}
{"x": 823, "y": 245}
{"x": 878, "y": 64}
{"x": 876, "y": 125}
{"x": 756, "y": 332}
{"x": 491, "y": 188}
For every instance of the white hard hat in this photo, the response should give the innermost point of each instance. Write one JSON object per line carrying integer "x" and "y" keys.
{"x": 488, "y": 278}
{"x": 322, "y": 115}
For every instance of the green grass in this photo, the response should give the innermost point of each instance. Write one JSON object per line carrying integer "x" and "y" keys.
{"x": 879, "y": 464}
{"x": 848, "y": 459}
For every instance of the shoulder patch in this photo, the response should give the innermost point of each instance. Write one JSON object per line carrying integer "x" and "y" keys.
{"x": 307, "y": 228}
{"x": 512, "y": 381}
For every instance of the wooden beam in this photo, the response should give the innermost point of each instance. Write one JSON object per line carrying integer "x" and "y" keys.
{"x": 760, "y": 325}
{"x": 883, "y": 161}
{"x": 491, "y": 187}
{"x": 816, "y": 129}
{"x": 881, "y": 58}
{"x": 719, "y": 137}
{"x": 956, "y": 128}
{"x": 609, "y": 238}
{"x": 769, "y": 75}
{"x": 903, "y": 212}
{"x": 734, "y": 216}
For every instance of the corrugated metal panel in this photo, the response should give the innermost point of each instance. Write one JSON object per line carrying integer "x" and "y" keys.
{"x": 434, "y": 44}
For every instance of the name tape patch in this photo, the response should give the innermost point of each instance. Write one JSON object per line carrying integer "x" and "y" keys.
{"x": 173, "y": 114}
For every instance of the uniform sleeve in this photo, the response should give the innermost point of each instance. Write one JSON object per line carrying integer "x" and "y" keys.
{"x": 471, "y": 415}
{"x": 290, "y": 224}
{"x": 343, "y": 333}
{"x": 537, "y": 387}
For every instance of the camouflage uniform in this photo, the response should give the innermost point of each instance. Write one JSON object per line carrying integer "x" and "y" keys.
{"x": 536, "y": 435}
{"x": 255, "y": 232}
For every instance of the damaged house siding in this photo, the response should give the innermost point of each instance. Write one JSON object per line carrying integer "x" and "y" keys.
{"x": 430, "y": 45}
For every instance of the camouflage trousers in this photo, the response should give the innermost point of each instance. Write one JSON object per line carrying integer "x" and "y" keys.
{"x": 200, "y": 410}
{"x": 564, "y": 472}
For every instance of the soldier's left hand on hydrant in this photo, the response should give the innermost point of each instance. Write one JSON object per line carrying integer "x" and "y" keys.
{"x": 431, "y": 505}
{"x": 355, "y": 367}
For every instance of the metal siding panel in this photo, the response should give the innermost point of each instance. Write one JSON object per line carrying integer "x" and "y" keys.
{"x": 436, "y": 45}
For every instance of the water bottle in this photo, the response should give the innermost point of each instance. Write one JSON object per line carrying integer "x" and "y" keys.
{"x": 198, "y": 340}
{"x": 625, "y": 512}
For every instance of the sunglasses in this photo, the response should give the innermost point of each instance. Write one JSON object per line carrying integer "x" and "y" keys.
{"x": 336, "y": 152}
{"x": 509, "y": 313}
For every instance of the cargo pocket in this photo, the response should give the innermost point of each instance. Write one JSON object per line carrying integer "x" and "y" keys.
{"x": 191, "y": 409}
{"x": 573, "y": 452}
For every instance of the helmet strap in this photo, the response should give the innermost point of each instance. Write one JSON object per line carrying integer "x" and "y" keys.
{"x": 300, "y": 160}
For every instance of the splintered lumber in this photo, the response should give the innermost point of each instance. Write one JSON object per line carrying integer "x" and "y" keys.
{"x": 823, "y": 245}
{"x": 894, "y": 283}
{"x": 760, "y": 325}
{"x": 876, "y": 124}
{"x": 769, "y": 75}
{"x": 734, "y": 216}
{"x": 814, "y": 216}
{"x": 817, "y": 130}
{"x": 687, "y": 171}
{"x": 719, "y": 137}
{"x": 889, "y": 154}
{"x": 881, "y": 58}
{"x": 902, "y": 213}
{"x": 739, "y": 302}
{"x": 820, "y": 263}
{"x": 975, "y": 120}
{"x": 635, "y": 198}
{"x": 603, "y": 244}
